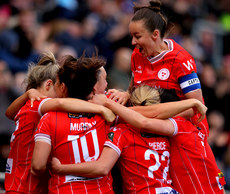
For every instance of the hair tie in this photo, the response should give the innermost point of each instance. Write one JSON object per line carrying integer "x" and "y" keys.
{"x": 143, "y": 103}
{"x": 155, "y": 9}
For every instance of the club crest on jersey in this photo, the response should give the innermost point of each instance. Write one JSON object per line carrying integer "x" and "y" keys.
{"x": 219, "y": 184}
{"x": 163, "y": 74}
{"x": 220, "y": 180}
{"x": 110, "y": 136}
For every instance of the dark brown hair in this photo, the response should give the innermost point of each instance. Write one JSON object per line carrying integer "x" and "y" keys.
{"x": 80, "y": 75}
{"x": 152, "y": 16}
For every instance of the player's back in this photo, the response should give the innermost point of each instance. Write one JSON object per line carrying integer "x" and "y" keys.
{"x": 193, "y": 170}
{"x": 75, "y": 138}
{"x": 18, "y": 177}
{"x": 144, "y": 160}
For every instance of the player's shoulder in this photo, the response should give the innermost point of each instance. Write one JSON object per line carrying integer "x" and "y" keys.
{"x": 178, "y": 50}
{"x": 183, "y": 122}
{"x": 183, "y": 62}
{"x": 120, "y": 133}
{"x": 136, "y": 53}
{"x": 53, "y": 115}
{"x": 27, "y": 109}
{"x": 120, "y": 128}
{"x": 180, "y": 119}
{"x": 36, "y": 104}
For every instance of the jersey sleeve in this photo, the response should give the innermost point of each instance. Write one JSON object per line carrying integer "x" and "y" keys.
{"x": 184, "y": 64}
{"x": 181, "y": 125}
{"x": 186, "y": 73}
{"x": 43, "y": 130}
{"x": 40, "y": 105}
{"x": 115, "y": 139}
{"x": 175, "y": 126}
{"x": 189, "y": 83}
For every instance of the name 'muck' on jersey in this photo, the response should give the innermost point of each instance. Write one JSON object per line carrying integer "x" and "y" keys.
{"x": 18, "y": 177}
{"x": 192, "y": 168}
{"x": 75, "y": 138}
{"x": 171, "y": 69}
{"x": 144, "y": 160}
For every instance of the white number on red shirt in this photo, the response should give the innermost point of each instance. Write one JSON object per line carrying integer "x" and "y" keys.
{"x": 157, "y": 164}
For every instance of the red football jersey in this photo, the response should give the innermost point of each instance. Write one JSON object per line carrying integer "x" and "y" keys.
{"x": 75, "y": 138}
{"x": 171, "y": 69}
{"x": 163, "y": 70}
{"x": 18, "y": 177}
{"x": 144, "y": 160}
{"x": 192, "y": 168}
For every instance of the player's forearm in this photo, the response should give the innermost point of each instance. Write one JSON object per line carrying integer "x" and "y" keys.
{"x": 38, "y": 166}
{"x": 98, "y": 168}
{"x": 185, "y": 107}
{"x": 40, "y": 157}
{"x": 132, "y": 117}
{"x": 87, "y": 169}
{"x": 186, "y": 114}
{"x": 163, "y": 110}
{"x": 151, "y": 111}
{"x": 76, "y": 105}
{"x": 158, "y": 126}
{"x": 171, "y": 109}
{"x": 71, "y": 105}
{"x": 15, "y": 106}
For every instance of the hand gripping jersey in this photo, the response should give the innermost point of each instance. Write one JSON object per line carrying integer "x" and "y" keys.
{"x": 171, "y": 69}
{"x": 75, "y": 138}
{"x": 18, "y": 177}
{"x": 192, "y": 168}
{"x": 144, "y": 160}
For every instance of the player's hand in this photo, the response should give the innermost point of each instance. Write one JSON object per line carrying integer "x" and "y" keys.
{"x": 200, "y": 111}
{"x": 108, "y": 115}
{"x": 120, "y": 97}
{"x": 34, "y": 94}
{"x": 98, "y": 99}
{"x": 55, "y": 165}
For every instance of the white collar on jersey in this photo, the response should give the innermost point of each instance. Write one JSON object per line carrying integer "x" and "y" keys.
{"x": 162, "y": 54}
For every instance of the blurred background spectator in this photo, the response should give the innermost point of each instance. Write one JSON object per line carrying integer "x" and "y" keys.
{"x": 31, "y": 27}
{"x": 120, "y": 73}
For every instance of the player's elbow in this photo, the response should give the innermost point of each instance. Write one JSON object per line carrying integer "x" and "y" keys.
{"x": 145, "y": 123}
{"x": 140, "y": 123}
{"x": 9, "y": 116}
{"x": 102, "y": 171}
{"x": 37, "y": 167}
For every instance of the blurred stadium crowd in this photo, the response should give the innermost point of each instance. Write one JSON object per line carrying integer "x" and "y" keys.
{"x": 31, "y": 27}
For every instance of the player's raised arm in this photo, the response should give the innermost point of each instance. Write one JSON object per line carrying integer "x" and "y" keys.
{"x": 76, "y": 105}
{"x": 32, "y": 94}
